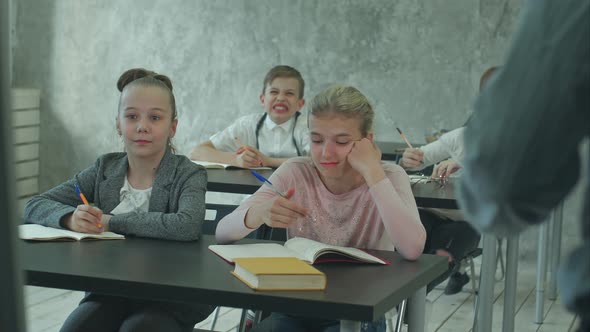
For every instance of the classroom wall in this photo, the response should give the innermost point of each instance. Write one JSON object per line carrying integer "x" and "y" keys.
{"x": 11, "y": 34}
{"x": 419, "y": 62}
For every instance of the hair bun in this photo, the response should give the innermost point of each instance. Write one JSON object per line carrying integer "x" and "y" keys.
{"x": 133, "y": 74}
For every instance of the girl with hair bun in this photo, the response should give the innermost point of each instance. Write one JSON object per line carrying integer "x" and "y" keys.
{"x": 146, "y": 191}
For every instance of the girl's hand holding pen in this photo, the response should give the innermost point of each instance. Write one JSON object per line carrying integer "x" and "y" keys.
{"x": 85, "y": 219}
{"x": 278, "y": 212}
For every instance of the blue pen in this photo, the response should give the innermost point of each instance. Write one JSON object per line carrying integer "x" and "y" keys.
{"x": 265, "y": 180}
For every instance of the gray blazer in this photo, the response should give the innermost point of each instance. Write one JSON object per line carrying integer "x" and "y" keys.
{"x": 177, "y": 203}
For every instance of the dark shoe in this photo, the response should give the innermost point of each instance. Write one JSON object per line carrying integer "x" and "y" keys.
{"x": 456, "y": 282}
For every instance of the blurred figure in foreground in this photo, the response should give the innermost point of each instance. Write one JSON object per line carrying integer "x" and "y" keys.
{"x": 521, "y": 146}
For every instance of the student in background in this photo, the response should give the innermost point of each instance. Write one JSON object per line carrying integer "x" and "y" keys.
{"x": 343, "y": 195}
{"x": 448, "y": 234}
{"x": 147, "y": 191}
{"x": 522, "y": 146}
{"x": 266, "y": 139}
{"x": 448, "y": 146}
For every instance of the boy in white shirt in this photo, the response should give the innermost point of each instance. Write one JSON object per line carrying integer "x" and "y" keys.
{"x": 448, "y": 146}
{"x": 266, "y": 139}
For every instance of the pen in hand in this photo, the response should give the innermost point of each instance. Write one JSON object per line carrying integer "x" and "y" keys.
{"x": 404, "y": 137}
{"x": 80, "y": 194}
{"x": 242, "y": 146}
{"x": 83, "y": 198}
{"x": 290, "y": 193}
{"x": 265, "y": 180}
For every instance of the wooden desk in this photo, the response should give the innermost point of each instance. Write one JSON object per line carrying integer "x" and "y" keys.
{"x": 189, "y": 272}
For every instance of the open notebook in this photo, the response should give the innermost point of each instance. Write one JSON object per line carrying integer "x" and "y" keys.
{"x": 41, "y": 233}
{"x": 307, "y": 250}
{"x": 212, "y": 165}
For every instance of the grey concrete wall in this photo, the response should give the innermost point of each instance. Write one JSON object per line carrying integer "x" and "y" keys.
{"x": 11, "y": 35}
{"x": 418, "y": 61}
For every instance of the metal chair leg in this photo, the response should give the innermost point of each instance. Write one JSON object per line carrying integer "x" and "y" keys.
{"x": 474, "y": 327}
{"x": 215, "y": 316}
{"x": 474, "y": 286}
{"x": 399, "y": 323}
{"x": 242, "y": 326}
{"x": 500, "y": 260}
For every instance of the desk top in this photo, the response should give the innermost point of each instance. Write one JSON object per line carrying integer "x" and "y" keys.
{"x": 428, "y": 195}
{"x": 236, "y": 181}
{"x": 431, "y": 195}
{"x": 393, "y": 150}
{"x": 189, "y": 272}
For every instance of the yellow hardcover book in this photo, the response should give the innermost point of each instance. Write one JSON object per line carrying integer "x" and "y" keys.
{"x": 278, "y": 273}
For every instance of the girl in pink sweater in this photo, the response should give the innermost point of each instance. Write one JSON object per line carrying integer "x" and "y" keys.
{"x": 343, "y": 195}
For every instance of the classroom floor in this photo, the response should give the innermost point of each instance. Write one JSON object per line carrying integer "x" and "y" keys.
{"x": 47, "y": 308}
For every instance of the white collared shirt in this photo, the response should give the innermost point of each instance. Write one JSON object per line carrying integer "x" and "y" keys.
{"x": 132, "y": 199}
{"x": 449, "y": 145}
{"x": 274, "y": 140}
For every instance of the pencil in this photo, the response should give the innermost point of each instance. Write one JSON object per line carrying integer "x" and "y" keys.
{"x": 240, "y": 143}
{"x": 404, "y": 137}
{"x": 244, "y": 148}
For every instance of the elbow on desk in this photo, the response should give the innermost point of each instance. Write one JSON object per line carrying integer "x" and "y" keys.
{"x": 189, "y": 237}
{"x": 200, "y": 152}
{"x": 413, "y": 251}
{"x": 196, "y": 153}
{"x": 224, "y": 239}
{"x": 227, "y": 236}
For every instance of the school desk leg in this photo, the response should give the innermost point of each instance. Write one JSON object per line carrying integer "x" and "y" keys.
{"x": 485, "y": 310}
{"x": 350, "y": 326}
{"x": 417, "y": 311}
{"x": 541, "y": 273}
{"x": 555, "y": 251}
{"x": 510, "y": 283}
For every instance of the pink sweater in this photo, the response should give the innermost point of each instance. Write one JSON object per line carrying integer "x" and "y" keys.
{"x": 382, "y": 217}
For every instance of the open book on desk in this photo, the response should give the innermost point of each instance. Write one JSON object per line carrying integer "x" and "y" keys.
{"x": 307, "y": 250}
{"x": 42, "y": 233}
{"x": 212, "y": 165}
